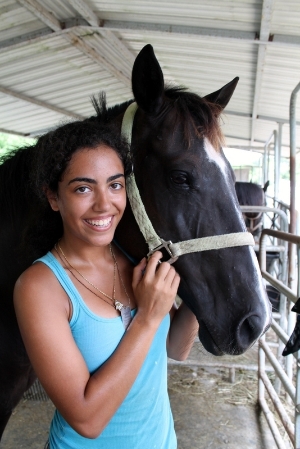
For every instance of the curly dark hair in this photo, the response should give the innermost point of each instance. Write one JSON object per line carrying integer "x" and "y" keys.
{"x": 54, "y": 150}
{"x": 52, "y": 154}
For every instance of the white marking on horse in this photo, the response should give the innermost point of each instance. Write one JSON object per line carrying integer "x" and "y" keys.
{"x": 215, "y": 156}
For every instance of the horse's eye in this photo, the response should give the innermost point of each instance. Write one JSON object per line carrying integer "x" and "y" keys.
{"x": 180, "y": 178}
{"x": 159, "y": 138}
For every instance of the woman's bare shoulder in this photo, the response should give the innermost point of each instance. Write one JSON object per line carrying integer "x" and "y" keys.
{"x": 37, "y": 274}
{"x": 36, "y": 286}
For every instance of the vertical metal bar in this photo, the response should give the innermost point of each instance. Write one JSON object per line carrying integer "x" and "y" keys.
{"x": 292, "y": 182}
{"x": 276, "y": 165}
{"x": 297, "y": 408}
{"x": 261, "y": 369}
{"x": 266, "y": 158}
{"x": 297, "y": 411}
{"x": 265, "y": 169}
{"x": 293, "y": 157}
{"x": 279, "y": 147}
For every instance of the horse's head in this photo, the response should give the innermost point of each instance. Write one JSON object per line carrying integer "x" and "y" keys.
{"x": 187, "y": 187}
{"x": 251, "y": 194}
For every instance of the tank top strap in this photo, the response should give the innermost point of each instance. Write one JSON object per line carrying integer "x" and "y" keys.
{"x": 64, "y": 280}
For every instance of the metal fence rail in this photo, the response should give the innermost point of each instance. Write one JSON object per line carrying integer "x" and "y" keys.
{"x": 289, "y": 375}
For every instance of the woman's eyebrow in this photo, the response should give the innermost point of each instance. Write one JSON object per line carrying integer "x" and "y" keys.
{"x": 82, "y": 179}
{"x": 112, "y": 178}
{"x": 93, "y": 181}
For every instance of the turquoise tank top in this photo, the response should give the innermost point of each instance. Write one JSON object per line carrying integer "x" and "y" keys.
{"x": 144, "y": 419}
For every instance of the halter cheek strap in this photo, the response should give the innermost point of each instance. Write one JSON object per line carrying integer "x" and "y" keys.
{"x": 155, "y": 242}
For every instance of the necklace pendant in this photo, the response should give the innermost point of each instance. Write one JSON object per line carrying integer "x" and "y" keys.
{"x": 125, "y": 313}
{"x": 119, "y": 306}
{"x": 126, "y": 316}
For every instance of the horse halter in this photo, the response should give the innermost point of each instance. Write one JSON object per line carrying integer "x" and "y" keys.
{"x": 155, "y": 242}
{"x": 252, "y": 228}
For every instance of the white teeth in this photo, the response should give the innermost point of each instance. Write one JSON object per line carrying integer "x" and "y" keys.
{"x": 102, "y": 223}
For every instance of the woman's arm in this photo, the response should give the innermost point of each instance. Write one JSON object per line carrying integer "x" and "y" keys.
{"x": 182, "y": 333}
{"x": 87, "y": 401}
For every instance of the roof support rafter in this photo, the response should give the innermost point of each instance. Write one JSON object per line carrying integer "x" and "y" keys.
{"x": 14, "y": 133}
{"x": 89, "y": 15}
{"x": 265, "y": 25}
{"x": 110, "y": 27}
{"x": 41, "y": 13}
{"x": 51, "y": 21}
{"x": 87, "y": 49}
{"x": 86, "y": 12}
{"x": 43, "y": 104}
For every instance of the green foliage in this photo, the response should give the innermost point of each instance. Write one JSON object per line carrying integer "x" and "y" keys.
{"x": 10, "y": 142}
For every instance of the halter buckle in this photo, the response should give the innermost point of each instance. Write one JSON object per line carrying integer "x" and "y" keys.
{"x": 164, "y": 245}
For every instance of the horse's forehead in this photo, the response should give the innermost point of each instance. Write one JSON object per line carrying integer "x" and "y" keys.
{"x": 215, "y": 156}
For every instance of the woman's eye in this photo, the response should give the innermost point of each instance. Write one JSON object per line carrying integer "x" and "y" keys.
{"x": 82, "y": 189}
{"x": 116, "y": 186}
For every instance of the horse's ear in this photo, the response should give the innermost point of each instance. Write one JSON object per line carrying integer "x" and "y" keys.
{"x": 223, "y": 95}
{"x": 266, "y": 186}
{"x": 147, "y": 81}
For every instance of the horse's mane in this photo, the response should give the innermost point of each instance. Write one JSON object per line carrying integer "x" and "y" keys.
{"x": 190, "y": 109}
{"x": 106, "y": 114}
{"x": 198, "y": 112}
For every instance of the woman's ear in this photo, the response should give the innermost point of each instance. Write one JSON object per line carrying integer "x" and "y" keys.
{"x": 52, "y": 198}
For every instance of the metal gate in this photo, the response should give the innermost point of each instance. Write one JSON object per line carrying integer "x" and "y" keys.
{"x": 286, "y": 371}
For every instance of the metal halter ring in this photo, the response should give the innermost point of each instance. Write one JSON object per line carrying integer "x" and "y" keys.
{"x": 166, "y": 245}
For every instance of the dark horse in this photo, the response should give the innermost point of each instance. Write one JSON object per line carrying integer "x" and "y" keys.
{"x": 251, "y": 194}
{"x": 187, "y": 187}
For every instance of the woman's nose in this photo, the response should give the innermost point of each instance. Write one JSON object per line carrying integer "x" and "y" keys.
{"x": 102, "y": 202}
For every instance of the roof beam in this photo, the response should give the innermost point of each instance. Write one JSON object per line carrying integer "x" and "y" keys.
{"x": 265, "y": 26}
{"x": 265, "y": 118}
{"x": 78, "y": 42}
{"x": 15, "y": 133}
{"x": 111, "y": 39}
{"x": 40, "y": 103}
{"x": 41, "y": 34}
{"x": 41, "y": 13}
{"x": 86, "y": 12}
{"x": 76, "y": 24}
{"x": 258, "y": 141}
{"x": 87, "y": 49}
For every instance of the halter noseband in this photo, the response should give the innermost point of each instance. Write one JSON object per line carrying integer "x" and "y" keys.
{"x": 155, "y": 242}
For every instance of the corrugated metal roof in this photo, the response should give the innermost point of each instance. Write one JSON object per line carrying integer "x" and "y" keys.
{"x": 56, "y": 54}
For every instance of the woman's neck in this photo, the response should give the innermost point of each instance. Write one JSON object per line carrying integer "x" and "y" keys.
{"x": 83, "y": 253}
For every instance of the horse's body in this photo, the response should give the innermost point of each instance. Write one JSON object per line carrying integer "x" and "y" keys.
{"x": 188, "y": 191}
{"x": 251, "y": 194}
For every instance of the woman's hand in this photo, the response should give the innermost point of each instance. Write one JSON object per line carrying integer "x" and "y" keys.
{"x": 155, "y": 286}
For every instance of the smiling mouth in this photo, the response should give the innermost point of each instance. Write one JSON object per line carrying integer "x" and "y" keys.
{"x": 100, "y": 223}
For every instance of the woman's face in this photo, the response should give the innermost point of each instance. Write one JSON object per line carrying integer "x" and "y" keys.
{"x": 91, "y": 196}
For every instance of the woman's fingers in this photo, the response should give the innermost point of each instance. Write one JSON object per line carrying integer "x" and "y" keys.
{"x": 153, "y": 263}
{"x": 156, "y": 272}
{"x": 138, "y": 272}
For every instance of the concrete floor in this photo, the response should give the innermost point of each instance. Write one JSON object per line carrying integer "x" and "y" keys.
{"x": 198, "y": 425}
{"x": 203, "y": 426}
{"x": 209, "y": 411}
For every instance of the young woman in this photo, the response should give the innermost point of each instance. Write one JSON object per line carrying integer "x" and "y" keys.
{"x": 98, "y": 330}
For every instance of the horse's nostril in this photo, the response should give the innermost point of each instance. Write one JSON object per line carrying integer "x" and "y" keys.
{"x": 248, "y": 331}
